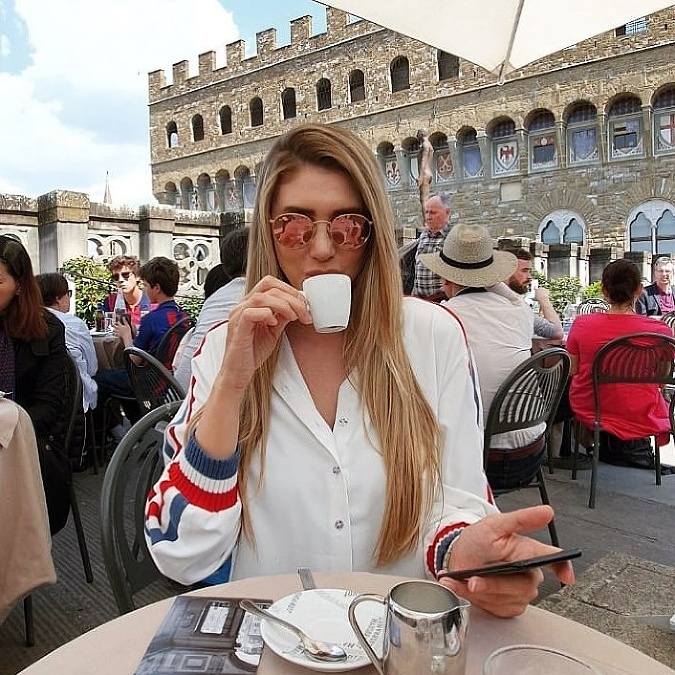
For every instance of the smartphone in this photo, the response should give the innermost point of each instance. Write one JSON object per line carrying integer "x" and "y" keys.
{"x": 513, "y": 567}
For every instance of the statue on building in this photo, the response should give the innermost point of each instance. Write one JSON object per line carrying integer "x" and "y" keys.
{"x": 424, "y": 154}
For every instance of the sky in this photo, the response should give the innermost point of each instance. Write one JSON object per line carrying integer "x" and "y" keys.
{"x": 73, "y": 83}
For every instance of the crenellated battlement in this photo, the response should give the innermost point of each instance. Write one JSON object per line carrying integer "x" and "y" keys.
{"x": 338, "y": 29}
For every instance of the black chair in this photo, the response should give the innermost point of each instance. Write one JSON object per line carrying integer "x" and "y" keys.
{"x": 168, "y": 345}
{"x": 638, "y": 358}
{"x": 528, "y": 397}
{"x": 592, "y": 306}
{"x": 153, "y": 385}
{"x": 669, "y": 320}
{"x": 75, "y": 411}
{"x": 134, "y": 468}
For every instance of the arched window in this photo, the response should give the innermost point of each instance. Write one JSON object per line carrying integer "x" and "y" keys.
{"x": 624, "y": 128}
{"x": 448, "y": 65}
{"x": 288, "y": 103}
{"x": 225, "y": 116}
{"x": 582, "y": 133}
{"x": 188, "y": 195}
{"x": 171, "y": 135}
{"x": 504, "y": 144}
{"x": 469, "y": 152}
{"x": 197, "y": 128}
{"x": 664, "y": 121}
{"x": 651, "y": 227}
{"x": 542, "y": 140}
{"x": 255, "y": 108}
{"x": 357, "y": 86}
{"x": 324, "y": 97}
{"x": 562, "y": 227}
{"x": 171, "y": 194}
{"x": 206, "y": 195}
{"x": 400, "y": 74}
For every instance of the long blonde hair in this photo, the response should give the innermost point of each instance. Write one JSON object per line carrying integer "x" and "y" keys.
{"x": 403, "y": 420}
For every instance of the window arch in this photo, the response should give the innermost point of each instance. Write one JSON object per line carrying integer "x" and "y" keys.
{"x": 255, "y": 109}
{"x": 357, "y": 86}
{"x": 205, "y": 193}
{"x": 399, "y": 71}
{"x": 562, "y": 227}
{"x": 171, "y": 194}
{"x": 651, "y": 227}
{"x": 582, "y": 133}
{"x": 543, "y": 149}
{"x": 442, "y": 160}
{"x": 225, "y": 116}
{"x": 324, "y": 96}
{"x": 288, "y": 107}
{"x": 502, "y": 134}
{"x": 470, "y": 154}
{"x": 172, "y": 135}
{"x": 624, "y": 127}
{"x": 664, "y": 121}
{"x": 188, "y": 195}
{"x": 390, "y": 165}
{"x": 448, "y": 65}
{"x": 197, "y": 128}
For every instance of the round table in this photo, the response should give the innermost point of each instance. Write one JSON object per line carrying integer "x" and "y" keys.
{"x": 117, "y": 647}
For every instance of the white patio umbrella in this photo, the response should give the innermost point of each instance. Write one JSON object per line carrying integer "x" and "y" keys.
{"x": 500, "y": 35}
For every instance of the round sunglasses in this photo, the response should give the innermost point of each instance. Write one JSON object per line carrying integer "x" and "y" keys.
{"x": 295, "y": 230}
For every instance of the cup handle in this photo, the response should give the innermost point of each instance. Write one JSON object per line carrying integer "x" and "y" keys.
{"x": 376, "y": 661}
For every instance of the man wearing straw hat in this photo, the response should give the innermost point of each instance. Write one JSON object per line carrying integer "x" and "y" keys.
{"x": 498, "y": 328}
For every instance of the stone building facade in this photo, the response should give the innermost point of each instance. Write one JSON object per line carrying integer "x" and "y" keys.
{"x": 576, "y": 149}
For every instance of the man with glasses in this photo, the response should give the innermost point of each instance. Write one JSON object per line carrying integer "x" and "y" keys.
{"x": 657, "y": 298}
{"x": 124, "y": 272}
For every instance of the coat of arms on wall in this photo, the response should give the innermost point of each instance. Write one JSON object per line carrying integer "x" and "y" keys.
{"x": 444, "y": 167}
{"x": 506, "y": 155}
{"x": 392, "y": 172}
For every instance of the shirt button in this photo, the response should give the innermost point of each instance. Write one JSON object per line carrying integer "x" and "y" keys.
{"x": 339, "y": 524}
{"x": 336, "y": 470}
{"x": 343, "y": 421}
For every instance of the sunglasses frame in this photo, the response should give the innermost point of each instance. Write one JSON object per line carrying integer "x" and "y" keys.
{"x": 366, "y": 225}
{"x": 119, "y": 276}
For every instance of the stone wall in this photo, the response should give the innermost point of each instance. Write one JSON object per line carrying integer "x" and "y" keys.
{"x": 597, "y": 70}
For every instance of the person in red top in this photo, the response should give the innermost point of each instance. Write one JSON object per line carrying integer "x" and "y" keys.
{"x": 124, "y": 272}
{"x": 629, "y": 411}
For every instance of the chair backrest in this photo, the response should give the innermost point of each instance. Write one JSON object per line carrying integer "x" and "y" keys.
{"x": 134, "y": 468}
{"x": 166, "y": 349}
{"x": 529, "y": 395}
{"x": 669, "y": 320}
{"x": 633, "y": 359}
{"x": 152, "y": 384}
{"x": 75, "y": 432}
{"x": 592, "y": 306}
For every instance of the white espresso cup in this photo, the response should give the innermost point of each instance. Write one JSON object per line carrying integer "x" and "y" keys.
{"x": 329, "y": 297}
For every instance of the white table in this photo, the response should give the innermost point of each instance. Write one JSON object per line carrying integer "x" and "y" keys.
{"x": 116, "y": 647}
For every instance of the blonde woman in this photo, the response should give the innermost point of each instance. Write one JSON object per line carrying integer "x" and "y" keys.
{"x": 358, "y": 450}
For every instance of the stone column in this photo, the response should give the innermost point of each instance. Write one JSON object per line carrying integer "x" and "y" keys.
{"x": 643, "y": 259}
{"x": 155, "y": 231}
{"x": 598, "y": 259}
{"x": 63, "y": 221}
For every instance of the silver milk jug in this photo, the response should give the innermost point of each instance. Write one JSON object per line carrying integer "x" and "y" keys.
{"x": 425, "y": 630}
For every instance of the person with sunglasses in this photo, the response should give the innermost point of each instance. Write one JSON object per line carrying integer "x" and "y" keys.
{"x": 353, "y": 450}
{"x": 124, "y": 273}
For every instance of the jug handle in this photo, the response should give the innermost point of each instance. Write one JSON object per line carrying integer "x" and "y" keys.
{"x": 376, "y": 661}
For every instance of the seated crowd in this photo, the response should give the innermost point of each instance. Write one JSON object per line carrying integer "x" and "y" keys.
{"x": 378, "y": 427}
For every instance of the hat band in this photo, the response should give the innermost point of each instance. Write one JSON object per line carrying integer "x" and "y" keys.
{"x": 467, "y": 266}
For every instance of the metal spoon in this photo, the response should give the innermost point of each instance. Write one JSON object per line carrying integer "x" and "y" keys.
{"x": 315, "y": 649}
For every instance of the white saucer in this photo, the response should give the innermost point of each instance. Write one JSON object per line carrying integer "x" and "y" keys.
{"x": 322, "y": 614}
{"x": 99, "y": 333}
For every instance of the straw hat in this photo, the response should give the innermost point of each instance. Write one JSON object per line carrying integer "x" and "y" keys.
{"x": 468, "y": 259}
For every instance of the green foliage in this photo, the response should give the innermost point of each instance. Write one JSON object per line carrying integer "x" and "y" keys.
{"x": 562, "y": 291}
{"x": 85, "y": 272}
{"x": 541, "y": 278}
{"x": 192, "y": 304}
{"x": 593, "y": 290}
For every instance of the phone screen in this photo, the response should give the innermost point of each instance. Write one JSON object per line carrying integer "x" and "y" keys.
{"x": 514, "y": 566}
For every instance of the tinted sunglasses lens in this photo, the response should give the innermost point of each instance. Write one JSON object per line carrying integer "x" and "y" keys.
{"x": 350, "y": 231}
{"x": 121, "y": 275}
{"x": 292, "y": 230}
